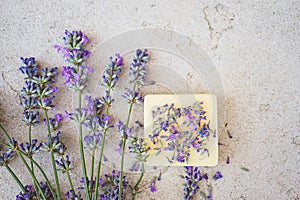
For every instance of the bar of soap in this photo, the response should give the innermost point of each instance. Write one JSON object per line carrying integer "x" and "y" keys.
{"x": 162, "y": 158}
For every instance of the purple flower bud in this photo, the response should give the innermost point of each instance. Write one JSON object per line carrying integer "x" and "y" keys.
{"x": 58, "y": 117}
{"x": 152, "y": 187}
{"x": 218, "y": 175}
{"x": 55, "y": 89}
{"x": 119, "y": 60}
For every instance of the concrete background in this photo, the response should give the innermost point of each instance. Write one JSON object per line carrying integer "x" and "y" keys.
{"x": 253, "y": 44}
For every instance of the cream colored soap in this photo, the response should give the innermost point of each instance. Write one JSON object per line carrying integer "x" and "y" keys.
{"x": 182, "y": 100}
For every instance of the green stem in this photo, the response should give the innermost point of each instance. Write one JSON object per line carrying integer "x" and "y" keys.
{"x": 52, "y": 157}
{"x": 136, "y": 186}
{"x": 16, "y": 178}
{"x": 68, "y": 175}
{"x": 31, "y": 163}
{"x": 3, "y": 143}
{"x": 4, "y": 131}
{"x": 42, "y": 171}
{"x": 123, "y": 146}
{"x": 86, "y": 187}
{"x": 32, "y": 175}
{"x": 70, "y": 180}
{"x": 123, "y": 152}
{"x": 141, "y": 177}
{"x": 93, "y": 165}
{"x": 99, "y": 164}
{"x": 29, "y": 141}
{"x": 101, "y": 153}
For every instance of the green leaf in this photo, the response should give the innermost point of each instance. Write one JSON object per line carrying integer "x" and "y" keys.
{"x": 245, "y": 169}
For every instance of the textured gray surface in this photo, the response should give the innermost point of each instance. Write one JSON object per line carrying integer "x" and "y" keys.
{"x": 254, "y": 46}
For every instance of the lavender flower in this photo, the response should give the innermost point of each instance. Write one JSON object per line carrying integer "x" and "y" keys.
{"x": 38, "y": 91}
{"x": 54, "y": 122}
{"x": 29, "y": 103}
{"x": 73, "y": 52}
{"x": 79, "y": 115}
{"x": 137, "y": 68}
{"x": 122, "y": 129}
{"x": 92, "y": 141}
{"x": 46, "y": 190}
{"x": 13, "y": 144}
{"x": 30, "y": 89}
{"x": 28, "y": 195}
{"x": 152, "y": 186}
{"x": 30, "y": 118}
{"x": 76, "y": 78}
{"x": 107, "y": 99}
{"x": 47, "y": 76}
{"x": 110, "y": 185}
{"x": 29, "y": 68}
{"x": 138, "y": 148}
{"x": 31, "y": 148}
{"x": 94, "y": 105}
{"x": 45, "y": 96}
{"x": 133, "y": 96}
{"x": 6, "y": 157}
{"x": 64, "y": 164}
{"x": 112, "y": 71}
{"x": 91, "y": 184}
{"x": 193, "y": 176}
{"x": 57, "y": 147}
{"x": 71, "y": 195}
{"x": 218, "y": 175}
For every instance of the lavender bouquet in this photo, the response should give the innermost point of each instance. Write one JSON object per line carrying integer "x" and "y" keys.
{"x": 93, "y": 113}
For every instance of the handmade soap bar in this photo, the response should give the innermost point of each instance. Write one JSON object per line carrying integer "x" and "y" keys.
{"x": 166, "y": 115}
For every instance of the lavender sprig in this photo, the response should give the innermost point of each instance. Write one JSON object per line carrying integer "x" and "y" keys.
{"x": 74, "y": 53}
{"x": 112, "y": 71}
{"x": 110, "y": 78}
{"x": 65, "y": 166}
{"x": 76, "y": 77}
{"x": 137, "y": 75}
{"x": 137, "y": 68}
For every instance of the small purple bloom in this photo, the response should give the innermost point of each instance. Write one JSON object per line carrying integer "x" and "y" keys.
{"x": 152, "y": 187}
{"x": 67, "y": 115}
{"x": 58, "y": 117}
{"x": 55, "y": 89}
{"x": 218, "y": 175}
{"x": 119, "y": 59}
